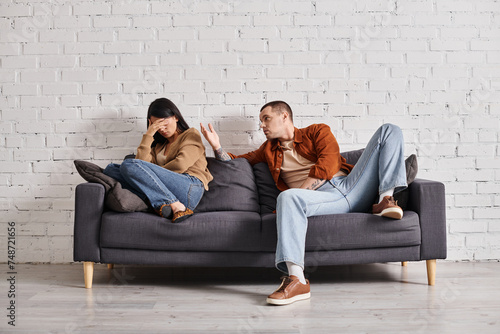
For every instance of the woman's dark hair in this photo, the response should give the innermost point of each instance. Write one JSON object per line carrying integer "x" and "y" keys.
{"x": 163, "y": 108}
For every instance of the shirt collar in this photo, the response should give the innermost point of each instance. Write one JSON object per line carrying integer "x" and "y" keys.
{"x": 297, "y": 138}
{"x": 275, "y": 143}
{"x": 297, "y": 135}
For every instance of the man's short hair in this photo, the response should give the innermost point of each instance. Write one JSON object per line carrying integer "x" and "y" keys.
{"x": 279, "y": 107}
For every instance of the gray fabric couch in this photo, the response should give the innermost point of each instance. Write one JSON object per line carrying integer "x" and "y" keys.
{"x": 234, "y": 225}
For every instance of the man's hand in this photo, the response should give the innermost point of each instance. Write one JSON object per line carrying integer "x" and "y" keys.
{"x": 213, "y": 139}
{"x": 312, "y": 183}
{"x": 211, "y": 136}
{"x": 154, "y": 127}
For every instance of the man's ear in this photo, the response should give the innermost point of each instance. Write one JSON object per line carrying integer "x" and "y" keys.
{"x": 285, "y": 115}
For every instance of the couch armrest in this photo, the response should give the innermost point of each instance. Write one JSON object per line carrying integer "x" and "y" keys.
{"x": 427, "y": 198}
{"x": 89, "y": 206}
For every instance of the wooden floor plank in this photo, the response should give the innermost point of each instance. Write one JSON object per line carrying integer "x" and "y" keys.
{"x": 376, "y": 298}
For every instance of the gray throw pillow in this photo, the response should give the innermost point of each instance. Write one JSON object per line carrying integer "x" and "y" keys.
{"x": 411, "y": 165}
{"x": 268, "y": 192}
{"x": 352, "y": 157}
{"x": 232, "y": 189}
{"x": 116, "y": 198}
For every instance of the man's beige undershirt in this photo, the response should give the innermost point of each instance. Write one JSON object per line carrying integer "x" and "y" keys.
{"x": 295, "y": 168}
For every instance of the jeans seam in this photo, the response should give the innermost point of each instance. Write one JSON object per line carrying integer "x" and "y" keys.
{"x": 360, "y": 174}
{"x": 191, "y": 186}
{"x": 321, "y": 202}
{"x": 340, "y": 191}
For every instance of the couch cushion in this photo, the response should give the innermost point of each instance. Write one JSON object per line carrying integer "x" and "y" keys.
{"x": 232, "y": 189}
{"x": 209, "y": 231}
{"x": 268, "y": 192}
{"x": 350, "y": 231}
{"x": 116, "y": 198}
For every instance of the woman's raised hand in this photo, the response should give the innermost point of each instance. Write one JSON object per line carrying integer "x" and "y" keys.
{"x": 154, "y": 127}
{"x": 211, "y": 136}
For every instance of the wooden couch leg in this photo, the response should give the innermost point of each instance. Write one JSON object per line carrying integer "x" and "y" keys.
{"x": 88, "y": 274}
{"x": 404, "y": 263}
{"x": 111, "y": 266}
{"x": 431, "y": 271}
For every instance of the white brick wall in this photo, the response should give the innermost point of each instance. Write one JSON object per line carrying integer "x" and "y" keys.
{"x": 76, "y": 79}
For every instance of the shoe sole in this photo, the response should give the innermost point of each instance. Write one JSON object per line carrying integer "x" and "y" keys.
{"x": 289, "y": 300}
{"x": 181, "y": 218}
{"x": 394, "y": 213}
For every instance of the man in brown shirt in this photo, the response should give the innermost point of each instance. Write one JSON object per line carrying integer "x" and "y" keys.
{"x": 315, "y": 179}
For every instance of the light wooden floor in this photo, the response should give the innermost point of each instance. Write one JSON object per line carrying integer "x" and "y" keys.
{"x": 377, "y": 298}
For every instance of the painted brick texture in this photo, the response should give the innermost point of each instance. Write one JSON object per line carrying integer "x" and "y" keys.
{"x": 76, "y": 79}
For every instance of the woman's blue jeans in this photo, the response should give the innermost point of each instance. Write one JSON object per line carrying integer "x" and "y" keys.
{"x": 381, "y": 167}
{"x": 157, "y": 184}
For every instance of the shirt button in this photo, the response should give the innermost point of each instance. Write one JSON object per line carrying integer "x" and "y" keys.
{"x": 277, "y": 169}
{"x": 279, "y": 155}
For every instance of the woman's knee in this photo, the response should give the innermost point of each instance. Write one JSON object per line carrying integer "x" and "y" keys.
{"x": 112, "y": 169}
{"x": 112, "y": 166}
{"x": 128, "y": 165}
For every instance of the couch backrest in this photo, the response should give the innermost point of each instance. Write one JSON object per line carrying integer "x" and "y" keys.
{"x": 352, "y": 156}
{"x": 232, "y": 189}
{"x": 237, "y": 186}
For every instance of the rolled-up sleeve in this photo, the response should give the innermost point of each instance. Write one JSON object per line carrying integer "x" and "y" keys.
{"x": 253, "y": 157}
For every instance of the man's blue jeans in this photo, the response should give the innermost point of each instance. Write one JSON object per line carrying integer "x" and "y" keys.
{"x": 157, "y": 184}
{"x": 381, "y": 167}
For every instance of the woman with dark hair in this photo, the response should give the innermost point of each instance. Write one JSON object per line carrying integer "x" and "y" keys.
{"x": 170, "y": 169}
